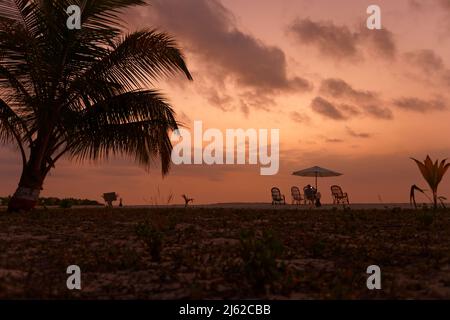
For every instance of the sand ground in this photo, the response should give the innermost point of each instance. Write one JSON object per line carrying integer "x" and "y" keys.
{"x": 282, "y": 252}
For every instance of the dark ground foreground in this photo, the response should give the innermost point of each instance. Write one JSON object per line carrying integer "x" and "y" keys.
{"x": 225, "y": 253}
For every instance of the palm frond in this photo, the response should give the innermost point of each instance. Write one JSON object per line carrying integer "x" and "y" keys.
{"x": 136, "y": 61}
{"x": 132, "y": 124}
{"x": 143, "y": 140}
{"x": 12, "y": 128}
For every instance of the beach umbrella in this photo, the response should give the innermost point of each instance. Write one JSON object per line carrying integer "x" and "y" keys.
{"x": 316, "y": 172}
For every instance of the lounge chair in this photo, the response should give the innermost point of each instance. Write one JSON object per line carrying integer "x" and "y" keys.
{"x": 297, "y": 197}
{"x": 277, "y": 197}
{"x": 339, "y": 197}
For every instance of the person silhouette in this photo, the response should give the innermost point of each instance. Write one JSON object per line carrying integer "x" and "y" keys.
{"x": 316, "y": 195}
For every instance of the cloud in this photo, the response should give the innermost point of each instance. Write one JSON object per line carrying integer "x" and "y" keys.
{"x": 445, "y": 4}
{"x": 331, "y": 40}
{"x": 415, "y": 4}
{"x": 257, "y": 100}
{"x": 379, "y": 42}
{"x": 350, "y": 109}
{"x": 430, "y": 63}
{"x": 245, "y": 109}
{"x": 327, "y": 109}
{"x": 340, "y": 42}
{"x": 446, "y": 77}
{"x": 368, "y": 102}
{"x": 183, "y": 118}
{"x": 427, "y": 60}
{"x": 338, "y": 88}
{"x": 332, "y": 140}
{"x": 300, "y": 117}
{"x": 220, "y": 100}
{"x": 438, "y": 10}
{"x": 355, "y": 134}
{"x": 378, "y": 112}
{"x": 420, "y": 105}
{"x": 209, "y": 31}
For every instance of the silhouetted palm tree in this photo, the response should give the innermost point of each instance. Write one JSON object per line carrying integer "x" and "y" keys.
{"x": 81, "y": 92}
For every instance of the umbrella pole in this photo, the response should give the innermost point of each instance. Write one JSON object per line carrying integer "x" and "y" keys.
{"x": 316, "y": 180}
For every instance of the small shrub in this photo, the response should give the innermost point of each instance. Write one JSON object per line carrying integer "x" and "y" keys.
{"x": 426, "y": 219}
{"x": 396, "y": 209}
{"x": 152, "y": 238}
{"x": 172, "y": 221}
{"x": 65, "y": 204}
{"x": 318, "y": 248}
{"x": 259, "y": 255}
{"x": 4, "y": 201}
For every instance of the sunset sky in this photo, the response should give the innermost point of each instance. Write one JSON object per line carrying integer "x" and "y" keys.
{"x": 350, "y": 99}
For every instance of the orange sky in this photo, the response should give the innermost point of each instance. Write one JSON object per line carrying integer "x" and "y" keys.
{"x": 356, "y": 101}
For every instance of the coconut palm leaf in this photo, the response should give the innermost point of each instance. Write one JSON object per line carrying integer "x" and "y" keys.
{"x": 143, "y": 116}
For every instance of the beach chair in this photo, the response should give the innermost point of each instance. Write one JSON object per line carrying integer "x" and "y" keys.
{"x": 109, "y": 198}
{"x": 296, "y": 196}
{"x": 339, "y": 197}
{"x": 277, "y": 197}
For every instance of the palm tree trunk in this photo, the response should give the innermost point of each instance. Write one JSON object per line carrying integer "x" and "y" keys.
{"x": 33, "y": 175}
{"x": 27, "y": 194}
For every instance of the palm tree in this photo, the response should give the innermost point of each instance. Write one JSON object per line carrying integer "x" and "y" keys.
{"x": 81, "y": 93}
{"x": 433, "y": 174}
